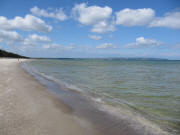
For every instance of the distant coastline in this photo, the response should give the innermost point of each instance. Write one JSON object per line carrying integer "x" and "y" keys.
{"x": 7, "y": 54}
{"x": 121, "y": 58}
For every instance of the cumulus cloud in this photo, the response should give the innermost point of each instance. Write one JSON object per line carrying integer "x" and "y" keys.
{"x": 142, "y": 42}
{"x": 34, "y": 39}
{"x": 134, "y": 17}
{"x": 102, "y": 27}
{"x": 146, "y": 17}
{"x": 28, "y": 23}
{"x": 9, "y": 36}
{"x": 96, "y": 16}
{"x": 102, "y": 20}
{"x": 33, "y": 43}
{"x": 92, "y": 14}
{"x": 95, "y": 37}
{"x": 57, "y": 14}
{"x": 12, "y": 37}
{"x": 106, "y": 46}
{"x": 169, "y": 20}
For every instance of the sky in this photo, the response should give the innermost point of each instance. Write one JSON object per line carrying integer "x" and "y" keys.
{"x": 91, "y": 29}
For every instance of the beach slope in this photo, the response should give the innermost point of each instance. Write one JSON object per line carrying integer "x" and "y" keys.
{"x": 27, "y": 108}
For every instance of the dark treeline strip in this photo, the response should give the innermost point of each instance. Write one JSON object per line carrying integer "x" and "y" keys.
{"x": 10, "y": 55}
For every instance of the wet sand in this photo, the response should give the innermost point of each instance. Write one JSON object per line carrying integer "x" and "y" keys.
{"x": 27, "y": 108}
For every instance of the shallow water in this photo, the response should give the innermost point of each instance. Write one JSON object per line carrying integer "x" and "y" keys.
{"x": 151, "y": 88}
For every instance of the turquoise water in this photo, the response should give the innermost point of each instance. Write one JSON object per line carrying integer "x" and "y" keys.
{"x": 151, "y": 88}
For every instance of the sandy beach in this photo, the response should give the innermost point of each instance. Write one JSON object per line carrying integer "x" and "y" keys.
{"x": 27, "y": 108}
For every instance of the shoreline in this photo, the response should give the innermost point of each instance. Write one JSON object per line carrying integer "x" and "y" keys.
{"x": 53, "y": 109}
{"x": 27, "y": 108}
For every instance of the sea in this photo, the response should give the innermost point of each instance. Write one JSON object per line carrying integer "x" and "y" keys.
{"x": 148, "y": 89}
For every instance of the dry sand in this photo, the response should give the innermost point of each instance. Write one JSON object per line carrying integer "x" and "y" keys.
{"x": 27, "y": 108}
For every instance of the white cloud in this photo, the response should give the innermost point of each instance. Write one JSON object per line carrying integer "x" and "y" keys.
{"x": 102, "y": 27}
{"x": 33, "y": 43}
{"x": 95, "y": 37}
{"x": 34, "y": 39}
{"x": 106, "y": 46}
{"x": 146, "y": 17}
{"x": 96, "y": 16}
{"x": 9, "y": 37}
{"x": 170, "y": 20}
{"x": 57, "y": 14}
{"x": 134, "y": 17}
{"x": 142, "y": 42}
{"x": 101, "y": 19}
{"x": 92, "y": 14}
{"x": 12, "y": 37}
{"x": 28, "y": 23}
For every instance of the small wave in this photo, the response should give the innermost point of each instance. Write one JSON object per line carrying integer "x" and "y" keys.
{"x": 99, "y": 100}
{"x": 61, "y": 83}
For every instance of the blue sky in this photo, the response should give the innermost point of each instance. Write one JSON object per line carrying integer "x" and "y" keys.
{"x": 95, "y": 28}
